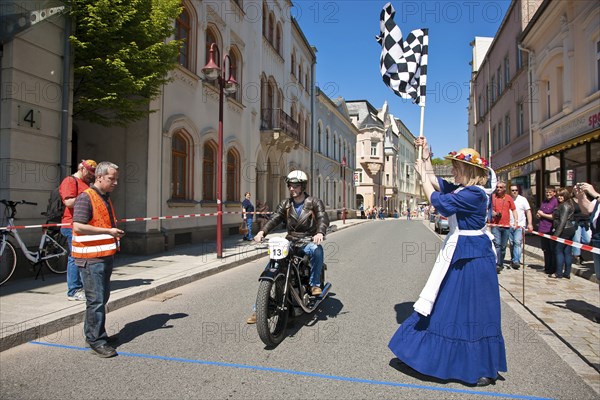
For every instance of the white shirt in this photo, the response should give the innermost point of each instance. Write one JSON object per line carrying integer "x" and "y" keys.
{"x": 522, "y": 206}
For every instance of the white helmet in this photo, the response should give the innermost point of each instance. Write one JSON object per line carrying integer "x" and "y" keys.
{"x": 296, "y": 176}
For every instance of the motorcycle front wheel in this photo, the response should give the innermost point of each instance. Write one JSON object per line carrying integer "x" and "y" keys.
{"x": 271, "y": 311}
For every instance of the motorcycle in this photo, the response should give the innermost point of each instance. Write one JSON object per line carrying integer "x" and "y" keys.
{"x": 284, "y": 289}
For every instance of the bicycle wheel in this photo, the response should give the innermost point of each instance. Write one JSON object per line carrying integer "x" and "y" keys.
{"x": 58, "y": 245}
{"x": 8, "y": 261}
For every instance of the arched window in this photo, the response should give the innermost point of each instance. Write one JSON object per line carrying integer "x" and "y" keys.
{"x": 211, "y": 38}
{"x": 182, "y": 32}
{"x": 233, "y": 176}
{"x": 278, "y": 38}
{"x": 293, "y": 64}
{"x": 181, "y": 168}
{"x": 319, "y": 138}
{"x": 209, "y": 170}
{"x": 334, "y": 146}
{"x": 236, "y": 70}
{"x": 265, "y": 19}
{"x": 271, "y": 27}
{"x": 327, "y": 142}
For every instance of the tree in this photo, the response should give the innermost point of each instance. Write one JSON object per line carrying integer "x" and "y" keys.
{"x": 440, "y": 161}
{"x": 121, "y": 57}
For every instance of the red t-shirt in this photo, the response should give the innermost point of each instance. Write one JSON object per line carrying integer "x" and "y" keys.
{"x": 504, "y": 205}
{"x": 70, "y": 188}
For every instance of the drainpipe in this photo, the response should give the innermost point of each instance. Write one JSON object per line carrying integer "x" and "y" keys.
{"x": 530, "y": 88}
{"x": 66, "y": 95}
{"x": 489, "y": 101}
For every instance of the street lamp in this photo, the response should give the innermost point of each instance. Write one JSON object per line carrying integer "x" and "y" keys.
{"x": 227, "y": 85}
{"x": 344, "y": 189}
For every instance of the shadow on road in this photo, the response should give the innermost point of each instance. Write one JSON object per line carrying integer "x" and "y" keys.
{"x": 403, "y": 310}
{"x": 151, "y": 323}
{"x": 580, "y": 307}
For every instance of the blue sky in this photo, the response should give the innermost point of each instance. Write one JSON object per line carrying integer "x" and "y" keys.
{"x": 344, "y": 33}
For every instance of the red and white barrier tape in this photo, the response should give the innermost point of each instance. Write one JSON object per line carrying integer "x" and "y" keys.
{"x": 133, "y": 219}
{"x": 556, "y": 239}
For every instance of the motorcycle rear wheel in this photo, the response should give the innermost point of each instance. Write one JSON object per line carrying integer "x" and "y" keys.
{"x": 271, "y": 319}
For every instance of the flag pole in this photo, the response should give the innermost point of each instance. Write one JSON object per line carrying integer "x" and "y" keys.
{"x": 421, "y": 131}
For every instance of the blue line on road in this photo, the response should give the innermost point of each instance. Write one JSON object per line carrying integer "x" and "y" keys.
{"x": 303, "y": 373}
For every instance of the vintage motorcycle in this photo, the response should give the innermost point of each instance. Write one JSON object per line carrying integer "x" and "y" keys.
{"x": 284, "y": 289}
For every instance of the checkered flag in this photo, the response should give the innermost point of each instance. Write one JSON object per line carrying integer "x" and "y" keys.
{"x": 403, "y": 63}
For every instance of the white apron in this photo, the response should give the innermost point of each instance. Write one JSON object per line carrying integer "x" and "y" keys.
{"x": 424, "y": 304}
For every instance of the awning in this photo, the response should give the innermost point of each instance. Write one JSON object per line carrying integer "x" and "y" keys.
{"x": 588, "y": 137}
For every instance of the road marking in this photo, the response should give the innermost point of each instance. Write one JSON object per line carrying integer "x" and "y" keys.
{"x": 301, "y": 373}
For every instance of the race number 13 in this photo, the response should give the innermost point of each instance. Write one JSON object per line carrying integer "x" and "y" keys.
{"x": 29, "y": 117}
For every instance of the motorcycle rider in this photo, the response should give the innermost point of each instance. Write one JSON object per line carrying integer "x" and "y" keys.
{"x": 304, "y": 216}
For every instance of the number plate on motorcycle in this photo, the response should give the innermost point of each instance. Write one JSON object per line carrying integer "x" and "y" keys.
{"x": 278, "y": 248}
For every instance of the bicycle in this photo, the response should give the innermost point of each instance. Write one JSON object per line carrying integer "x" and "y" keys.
{"x": 51, "y": 250}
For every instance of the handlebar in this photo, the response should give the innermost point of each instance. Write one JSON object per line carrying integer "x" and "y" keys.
{"x": 12, "y": 206}
{"x": 10, "y": 203}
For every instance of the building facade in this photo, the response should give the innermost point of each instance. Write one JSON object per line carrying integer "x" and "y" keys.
{"x": 536, "y": 98}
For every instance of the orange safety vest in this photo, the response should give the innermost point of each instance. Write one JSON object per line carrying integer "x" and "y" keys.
{"x": 101, "y": 245}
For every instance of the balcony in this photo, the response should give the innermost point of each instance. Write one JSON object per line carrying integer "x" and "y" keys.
{"x": 279, "y": 129}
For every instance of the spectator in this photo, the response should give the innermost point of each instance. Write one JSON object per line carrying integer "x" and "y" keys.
{"x": 582, "y": 232}
{"x": 71, "y": 187}
{"x": 544, "y": 215}
{"x": 502, "y": 207}
{"x": 248, "y": 215}
{"x": 563, "y": 224}
{"x": 515, "y": 237}
{"x": 589, "y": 200}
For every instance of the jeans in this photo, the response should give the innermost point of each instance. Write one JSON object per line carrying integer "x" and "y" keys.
{"x": 500, "y": 241}
{"x": 549, "y": 249}
{"x": 563, "y": 256}
{"x": 316, "y": 255}
{"x": 74, "y": 282}
{"x": 596, "y": 243}
{"x": 96, "y": 283}
{"x": 582, "y": 235}
{"x": 515, "y": 237}
{"x": 249, "y": 225}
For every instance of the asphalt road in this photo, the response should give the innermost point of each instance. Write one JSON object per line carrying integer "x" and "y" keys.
{"x": 193, "y": 342}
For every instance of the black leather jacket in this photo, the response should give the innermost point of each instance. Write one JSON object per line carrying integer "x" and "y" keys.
{"x": 563, "y": 220}
{"x": 312, "y": 220}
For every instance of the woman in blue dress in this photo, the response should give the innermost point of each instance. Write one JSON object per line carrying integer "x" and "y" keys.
{"x": 455, "y": 332}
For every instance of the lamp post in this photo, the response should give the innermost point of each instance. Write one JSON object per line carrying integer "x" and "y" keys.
{"x": 344, "y": 189}
{"x": 227, "y": 85}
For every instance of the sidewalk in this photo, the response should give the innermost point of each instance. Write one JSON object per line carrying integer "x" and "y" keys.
{"x": 30, "y": 308}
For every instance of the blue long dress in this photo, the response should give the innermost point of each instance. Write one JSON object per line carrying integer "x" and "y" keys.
{"x": 461, "y": 339}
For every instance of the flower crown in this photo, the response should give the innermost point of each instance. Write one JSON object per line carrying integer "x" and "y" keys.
{"x": 470, "y": 158}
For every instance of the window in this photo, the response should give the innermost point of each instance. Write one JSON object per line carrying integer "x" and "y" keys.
{"x": 236, "y": 70}
{"x": 334, "y": 146}
{"x": 507, "y": 129}
{"x": 271, "y": 28}
{"x": 479, "y": 146}
{"x": 499, "y": 87}
{"x": 265, "y": 14}
{"x": 521, "y": 123}
{"x": 209, "y": 170}
{"x": 500, "y": 133}
{"x": 387, "y": 179}
{"x": 180, "y": 166}
{"x": 506, "y": 71}
{"x": 233, "y": 176}
{"x": 278, "y": 36}
{"x": 494, "y": 149}
{"x": 373, "y": 148}
{"x": 182, "y": 32}
{"x": 548, "y": 111}
{"x": 327, "y": 142}
{"x": 480, "y": 107}
{"x": 211, "y": 38}
{"x": 598, "y": 65}
{"x": 293, "y": 70}
{"x": 519, "y": 58}
{"x": 319, "y": 138}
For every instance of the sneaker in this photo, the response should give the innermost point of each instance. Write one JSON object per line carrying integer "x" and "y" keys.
{"x": 515, "y": 265}
{"x": 77, "y": 296}
{"x": 104, "y": 351}
{"x": 315, "y": 291}
{"x": 499, "y": 268}
{"x": 251, "y": 319}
